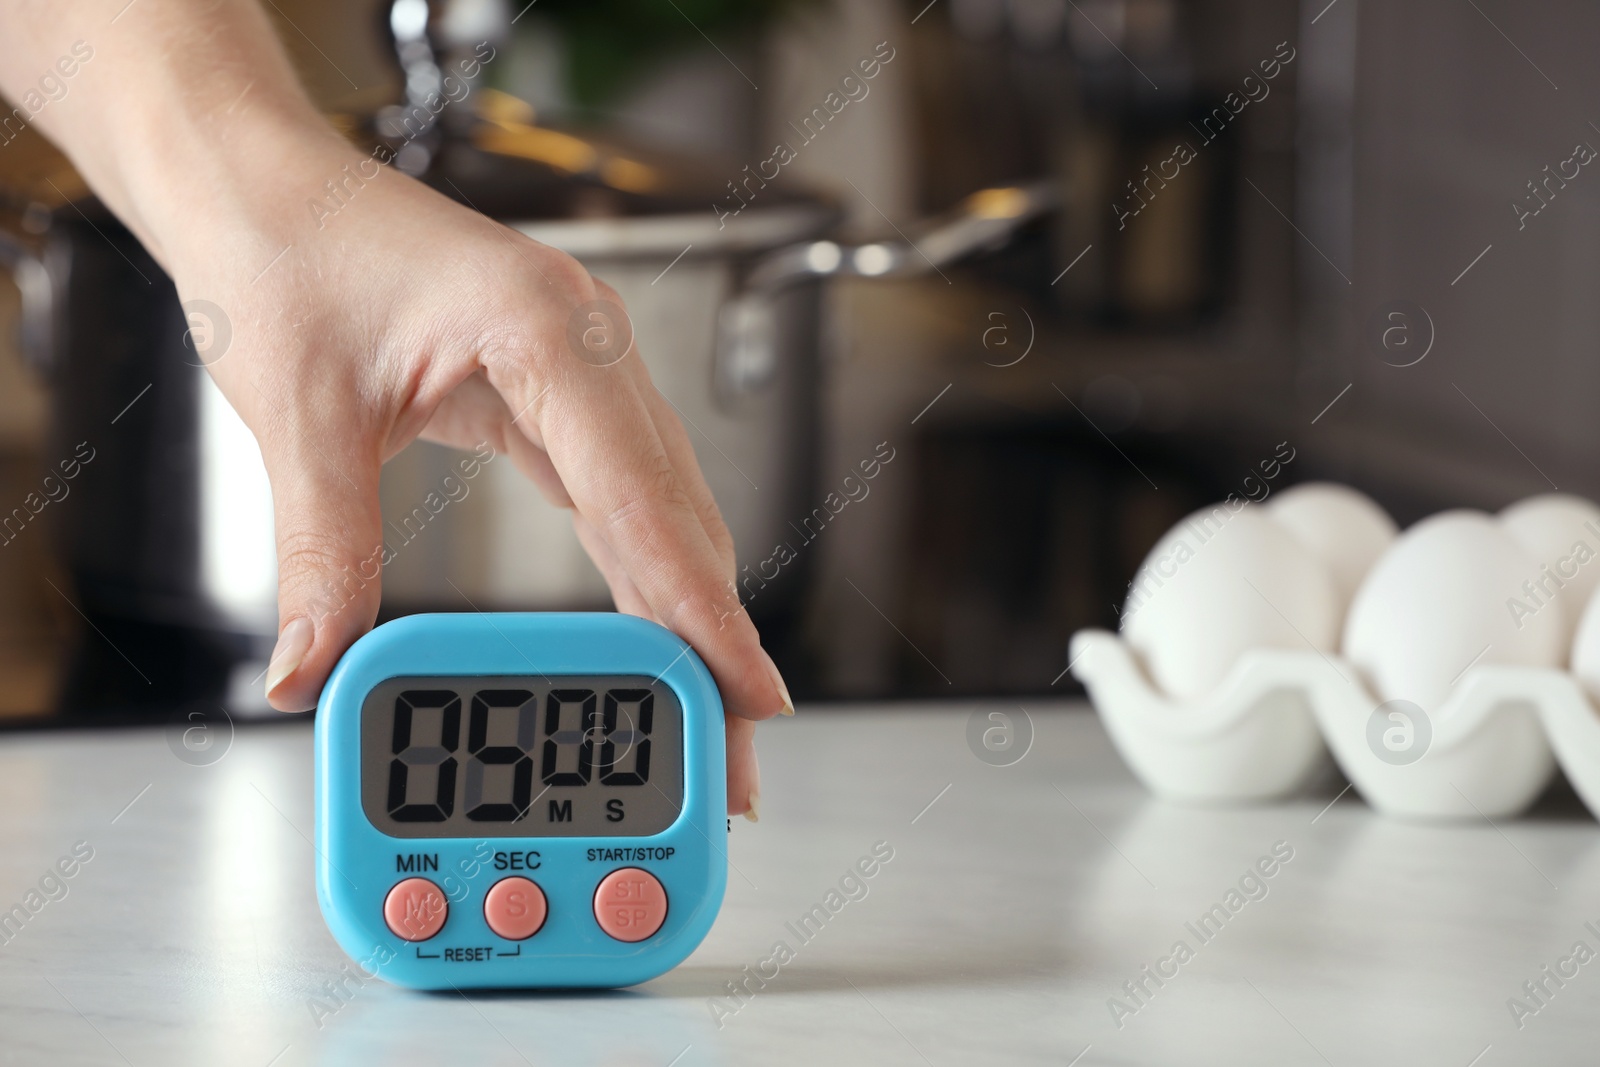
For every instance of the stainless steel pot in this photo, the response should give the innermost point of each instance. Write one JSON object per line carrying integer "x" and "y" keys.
{"x": 727, "y": 318}
{"x": 167, "y": 532}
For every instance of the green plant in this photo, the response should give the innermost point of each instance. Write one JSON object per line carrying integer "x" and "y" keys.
{"x": 611, "y": 43}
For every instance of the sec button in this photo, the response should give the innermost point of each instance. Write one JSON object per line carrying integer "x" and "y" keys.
{"x": 514, "y": 908}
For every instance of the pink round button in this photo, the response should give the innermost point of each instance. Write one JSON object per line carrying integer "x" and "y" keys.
{"x": 415, "y": 909}
{"x": 514, "y": 908}
{"x": 630, "y": 904}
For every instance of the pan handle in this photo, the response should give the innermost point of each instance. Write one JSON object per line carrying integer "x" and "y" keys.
{"x": 34, "y": 281}
{"x": 747, "y": 349}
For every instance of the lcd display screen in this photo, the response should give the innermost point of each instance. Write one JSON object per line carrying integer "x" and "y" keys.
{"x": 522, "y": 756}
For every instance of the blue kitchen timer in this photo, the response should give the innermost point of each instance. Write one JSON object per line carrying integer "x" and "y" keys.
{"x": 520, "y": 801}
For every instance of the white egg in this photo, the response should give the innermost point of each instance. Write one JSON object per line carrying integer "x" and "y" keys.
{"x": 1437, "y": 602}
{"x": 1345, "y": 528}
{"x": 1562, "y": 533}
{"x": 1585, "y": 660}
{"x": 1224, "y": 580}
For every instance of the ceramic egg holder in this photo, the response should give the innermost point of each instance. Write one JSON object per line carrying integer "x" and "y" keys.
{"x": 1487, "y": 757}
{"x": 1572, "y": 724}
{"x": 1265, "y": 731}
{"x": 1253, "y": 738}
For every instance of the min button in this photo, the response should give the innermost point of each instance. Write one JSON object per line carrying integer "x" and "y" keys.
{"x": 415, "y": 909}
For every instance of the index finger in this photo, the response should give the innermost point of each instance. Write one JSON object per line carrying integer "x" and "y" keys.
{"x": 602, "y": 440}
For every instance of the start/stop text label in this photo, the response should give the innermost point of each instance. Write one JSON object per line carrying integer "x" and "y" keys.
{"x": 631, "y": 854}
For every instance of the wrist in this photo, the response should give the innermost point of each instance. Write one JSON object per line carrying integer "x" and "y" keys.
{"x": 223, "y": 193}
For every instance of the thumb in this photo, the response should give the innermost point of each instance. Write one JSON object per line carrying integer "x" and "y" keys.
{"x": 330, "y": 565}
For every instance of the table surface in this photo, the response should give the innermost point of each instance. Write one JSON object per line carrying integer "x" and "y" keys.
{"x": 1018, "y": 902}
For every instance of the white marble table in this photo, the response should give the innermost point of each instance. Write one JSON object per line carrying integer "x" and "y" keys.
{"x": 1018, "y": 902}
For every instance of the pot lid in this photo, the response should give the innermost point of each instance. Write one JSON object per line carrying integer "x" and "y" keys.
{"x": 593, "y": 196}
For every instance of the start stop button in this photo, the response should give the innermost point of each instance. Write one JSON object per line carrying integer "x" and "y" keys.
{"x": 630, "y": 904}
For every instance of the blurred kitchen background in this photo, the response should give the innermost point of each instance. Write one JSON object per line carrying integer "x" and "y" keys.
{"x": 987, "y": 259}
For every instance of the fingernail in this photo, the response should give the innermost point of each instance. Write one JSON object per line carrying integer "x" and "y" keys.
{"x": 754, "y": 812}
{"x": 783, "y": 690}
{"x": 294, "y": 641}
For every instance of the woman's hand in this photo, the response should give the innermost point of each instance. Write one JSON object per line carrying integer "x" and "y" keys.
{"x": 407, "y": 315}
{"x": 404, "y": 315}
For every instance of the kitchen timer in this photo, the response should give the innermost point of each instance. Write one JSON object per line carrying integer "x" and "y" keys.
{"x": 520, "y": 801}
